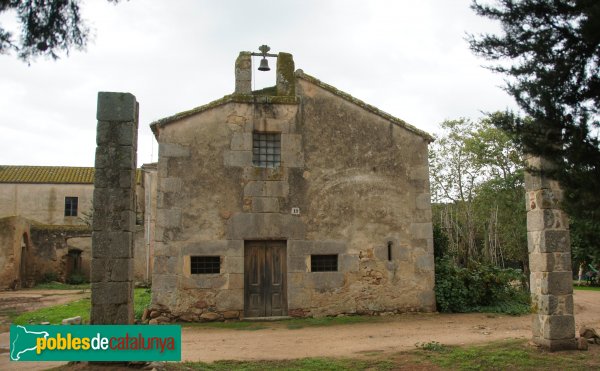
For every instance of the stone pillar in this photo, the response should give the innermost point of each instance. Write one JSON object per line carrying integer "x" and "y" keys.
{"x": 549, "y": 246}
{"x": 114, "y": 209}
{"x": 243, "y": 73}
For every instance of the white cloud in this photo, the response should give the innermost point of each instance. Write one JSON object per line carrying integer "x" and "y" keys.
{"x": 408, "y": 58}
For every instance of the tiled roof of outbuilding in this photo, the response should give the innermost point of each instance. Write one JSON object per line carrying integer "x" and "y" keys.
{"x": 50, "y": 174}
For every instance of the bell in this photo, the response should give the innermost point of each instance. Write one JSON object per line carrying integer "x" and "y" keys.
{"x": 264, "y": 65}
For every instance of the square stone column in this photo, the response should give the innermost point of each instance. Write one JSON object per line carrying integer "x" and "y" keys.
{"x": 114, "y": 209}
{"x": 549, "y": 247}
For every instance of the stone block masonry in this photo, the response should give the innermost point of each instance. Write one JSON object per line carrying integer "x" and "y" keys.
{"x": 114, "y": 209}
{"x": 549, "y": 261}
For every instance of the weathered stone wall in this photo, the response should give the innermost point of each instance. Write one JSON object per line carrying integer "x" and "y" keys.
{"x": 359, "y": 181}
{"x": 15, "y": 243}
{"x": 51, "y": 246}
{"x": 45, "y": 203}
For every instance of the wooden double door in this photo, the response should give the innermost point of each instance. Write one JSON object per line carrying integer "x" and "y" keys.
{"x": 265, "y": 291}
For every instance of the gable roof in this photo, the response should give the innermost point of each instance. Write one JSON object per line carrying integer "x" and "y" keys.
{"x": 50, "y": 174}
{"x": 332, "y": 89}
{"x": 257, "y": 98}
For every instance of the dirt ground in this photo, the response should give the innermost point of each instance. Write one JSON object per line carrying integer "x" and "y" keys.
{"x": 395, "y": 333}
{"x": 27, "y": 300}
{"x": 400, "y": 333}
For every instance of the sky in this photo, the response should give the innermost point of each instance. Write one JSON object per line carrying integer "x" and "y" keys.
{"x": 408, "y": 58}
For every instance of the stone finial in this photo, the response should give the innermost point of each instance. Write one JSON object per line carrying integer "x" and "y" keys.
{"x": 285, "y": 79}
{"x": 243, "y": 73}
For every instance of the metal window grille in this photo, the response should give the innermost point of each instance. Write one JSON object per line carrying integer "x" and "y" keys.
{"x": 71, "y": 206}
{"x": 205, "y": 264}
{"x": 323, "y": 263}
{"x": 266, "y": 149}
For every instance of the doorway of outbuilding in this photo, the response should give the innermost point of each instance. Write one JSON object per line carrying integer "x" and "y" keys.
{"x": 74, "y": 272}
{"x": 24, "y": 279}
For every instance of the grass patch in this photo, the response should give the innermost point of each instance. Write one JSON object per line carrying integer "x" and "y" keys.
{"x": 141, "y": 301}
{"x": 61, "y": 286}
{"x": 586, "y": 288}
{"x": 500, "y": 355}
{"x": 308, "y": 364}
{"x": 57, "y": 313}
{"x": 508, "y": 354}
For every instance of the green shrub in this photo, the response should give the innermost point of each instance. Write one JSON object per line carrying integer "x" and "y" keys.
{"x": 76, "y": 279}
{"x": 49, "y": 277}
{"x": 479, "y": 288}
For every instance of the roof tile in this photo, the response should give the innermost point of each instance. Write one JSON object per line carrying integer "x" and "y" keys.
{"x": 50, "y": 174}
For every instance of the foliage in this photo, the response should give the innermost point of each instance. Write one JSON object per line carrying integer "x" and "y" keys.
{"x": 586, "y": 288}
{"x": 142, "y": 298}
{"x": 479, "y": 288}
{"x": 432, "y": 346}
{"x": 57, "y": 313}
{"x": 440, "y": 241}
{"x": 47, "y": 28}
{"x": 477, "y": 184}
{"x": 49, "y": 277}
{"x": 76, "y": 279}
{"x": 550, "y": 53}
{"x": 61, "y": 286}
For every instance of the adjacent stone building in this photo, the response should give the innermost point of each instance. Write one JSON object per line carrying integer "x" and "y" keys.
{"x": 45, "y": 214}
{"x": 294, "y": 200}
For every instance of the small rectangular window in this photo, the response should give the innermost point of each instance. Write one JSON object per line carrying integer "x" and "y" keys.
{"x": 205, "y": 264}
{"x": 323, "y": 263}
{"x": 266, "y": 149}
{"x": 71, "y": 206}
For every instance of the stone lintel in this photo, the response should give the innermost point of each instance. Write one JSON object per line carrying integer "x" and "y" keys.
{"x": 247, "y": 226}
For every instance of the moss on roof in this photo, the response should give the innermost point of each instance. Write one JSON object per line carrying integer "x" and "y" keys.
{"x": 264, "y": 96}
{"x": 50, "y": 174}
{"x": 255, "y": 97}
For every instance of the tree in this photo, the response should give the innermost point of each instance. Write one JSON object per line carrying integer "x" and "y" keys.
{"x": 47, "y": 27}
{"x": 549, "y": 51}
{"x": 477, "y": 184}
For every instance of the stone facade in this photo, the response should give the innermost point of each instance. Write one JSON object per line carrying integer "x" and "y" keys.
{"x": 45, "y": 202}
{"x": 352, "y": 184}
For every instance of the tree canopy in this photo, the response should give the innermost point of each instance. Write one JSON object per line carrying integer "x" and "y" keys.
{"x": 477, "y": 186}
{"x": 549, "y": 50}
{"x": 47, "y": 27}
